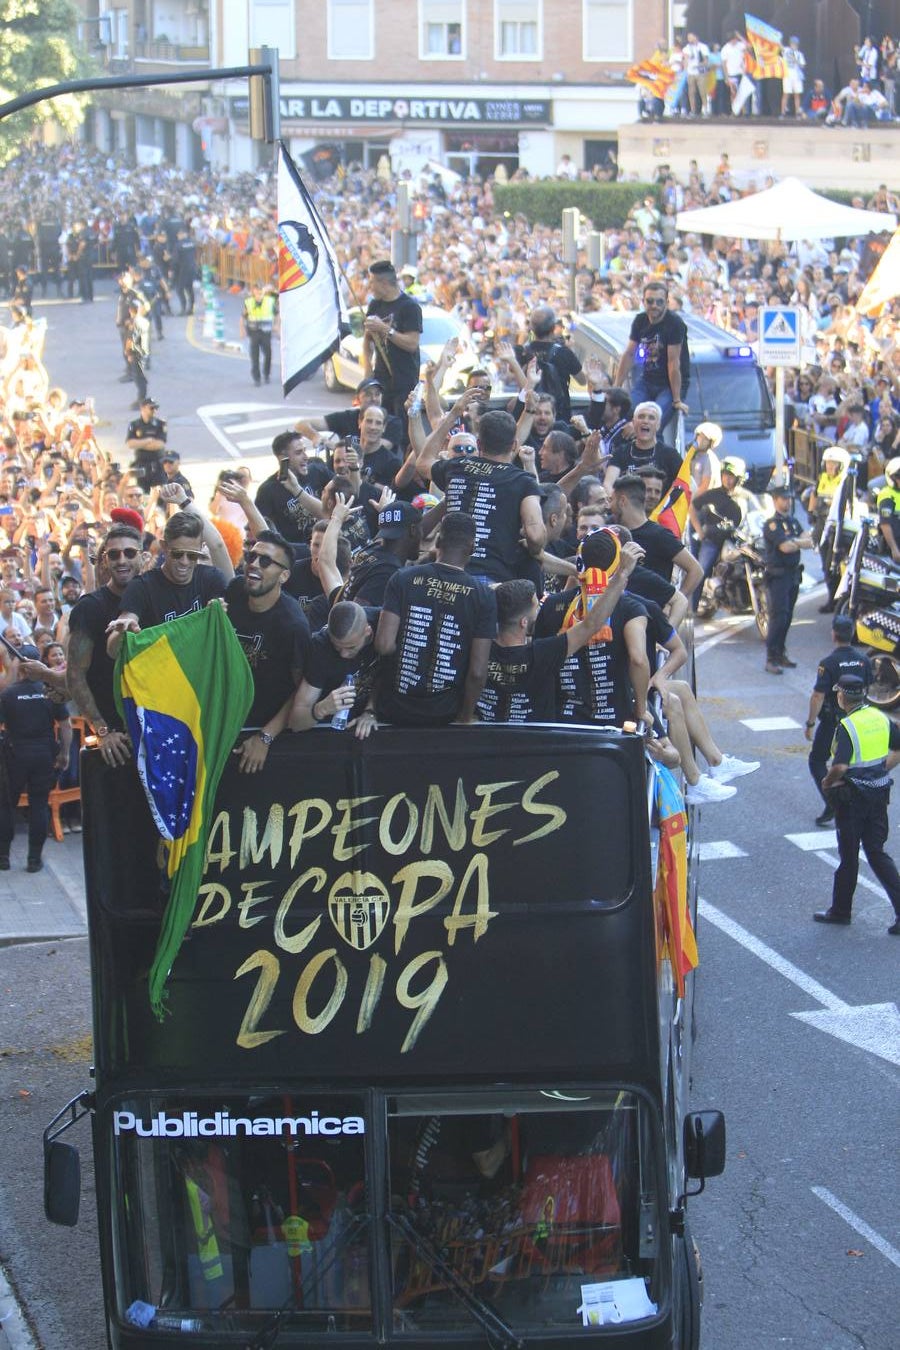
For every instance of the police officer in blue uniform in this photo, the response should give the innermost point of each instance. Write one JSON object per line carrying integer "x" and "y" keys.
{"x": 824, "y": 713}
{"x": 866, "y": 748}
{"x": 32, "y": 759}
{"x": 785, "y": 539}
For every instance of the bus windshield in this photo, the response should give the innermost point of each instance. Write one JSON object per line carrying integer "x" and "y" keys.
{"x": 730, "y": 393}
{"x": 496, "y": 1205}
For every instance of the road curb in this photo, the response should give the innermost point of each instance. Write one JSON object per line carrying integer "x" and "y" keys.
{"x": 14, "y": 1331}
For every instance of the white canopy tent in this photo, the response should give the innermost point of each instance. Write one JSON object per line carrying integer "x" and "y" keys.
{"x": 788, "y": 211}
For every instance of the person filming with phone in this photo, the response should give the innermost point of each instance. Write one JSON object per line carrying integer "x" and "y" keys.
{"x": 277, "y": 498}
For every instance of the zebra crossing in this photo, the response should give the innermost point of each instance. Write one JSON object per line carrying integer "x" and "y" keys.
{"x": 244, "y": 430}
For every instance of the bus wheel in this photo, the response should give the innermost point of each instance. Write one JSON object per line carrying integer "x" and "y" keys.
{"x": 884, "y": 691}
{"x": 691, "y": 1275}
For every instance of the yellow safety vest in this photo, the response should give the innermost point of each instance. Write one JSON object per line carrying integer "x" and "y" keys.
{"x": 207, "y": 1245}
{"x": 870, "y": 734}
{"x": 260, "y": 312}
{"x": 889, "y": 493}
{"x": 828, "y": 484}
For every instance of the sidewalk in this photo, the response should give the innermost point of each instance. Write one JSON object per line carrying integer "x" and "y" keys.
{"x": 46, "y": 905}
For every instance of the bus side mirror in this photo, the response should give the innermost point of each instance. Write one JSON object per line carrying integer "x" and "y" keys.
{"x": 62, "y": 1183}
{"x": 704, "y": 1145}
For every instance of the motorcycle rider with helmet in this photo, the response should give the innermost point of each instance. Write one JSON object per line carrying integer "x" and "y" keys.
{"x": 715, "y": 514}
{"x": 887, "y": 504}
{"x": 835, "y": 463}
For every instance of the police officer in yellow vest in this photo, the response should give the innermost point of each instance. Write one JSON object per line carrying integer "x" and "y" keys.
{"x": 866, "y": 748}
{"x": 887, "y": 504}
{"x": 257, "y": 323}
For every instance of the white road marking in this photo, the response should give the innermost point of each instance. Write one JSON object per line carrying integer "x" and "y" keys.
{"x": 722, "y": 848}
{"x": 256, "y": 444}
{"x": 875, "y": 1028}
{"x": 858, "y": 1225}
{"x": 814, "y": 840}
{"x": 866, "y": 884}
{"x": 770, "y": 723}
{"x": 261, "y": 423}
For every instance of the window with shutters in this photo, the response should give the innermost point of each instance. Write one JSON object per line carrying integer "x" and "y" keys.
{"x": 351, "y": 33}
{"x": 608, "y": 28}
{"x": 442, "y": 30}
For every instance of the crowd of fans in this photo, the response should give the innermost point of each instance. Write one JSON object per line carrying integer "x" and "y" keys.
{"x": 712, "y": 79}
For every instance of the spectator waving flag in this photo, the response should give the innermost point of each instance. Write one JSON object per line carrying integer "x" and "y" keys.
{"x": 184, "y": 689}
{"x": 766, "y": 43}
{"x": 653, "y": 74}
{"x": 314, "y": 317}
{"x": 672, "y": 510}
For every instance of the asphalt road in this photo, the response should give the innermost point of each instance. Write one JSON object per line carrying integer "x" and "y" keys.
{"x": 797, "y": 1042}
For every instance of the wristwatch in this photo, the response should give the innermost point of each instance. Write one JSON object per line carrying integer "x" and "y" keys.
{"x": 810, "y": 725}
{"x": 265, "y": 737}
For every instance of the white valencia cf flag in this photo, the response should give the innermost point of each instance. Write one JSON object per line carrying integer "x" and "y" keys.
{"x": 313, "y": 315}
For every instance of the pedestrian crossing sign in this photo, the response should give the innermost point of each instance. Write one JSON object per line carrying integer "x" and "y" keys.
{"x": 779, "y": 336}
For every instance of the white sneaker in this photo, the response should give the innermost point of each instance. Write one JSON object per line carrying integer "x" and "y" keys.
{"x": 706, "y": 789}
{"x": 732, "y": 767}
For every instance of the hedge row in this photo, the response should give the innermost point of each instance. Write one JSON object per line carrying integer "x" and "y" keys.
{"x": 606, "y": 205}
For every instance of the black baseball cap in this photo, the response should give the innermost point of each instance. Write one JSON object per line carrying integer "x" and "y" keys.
{"x": 369, "y": 382}
{"x": 843, "y": 626}
{"x": 850, "y": 684}
{"x": 171, "y": 455}
{"x": 395, "y": 520}
{"x": 149, "y": 403}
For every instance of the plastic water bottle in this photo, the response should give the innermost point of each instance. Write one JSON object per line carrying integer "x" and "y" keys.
{"x": 417, "y": 398}
{"x": 145, "y": 1315}
{"x": 342, "y": 716}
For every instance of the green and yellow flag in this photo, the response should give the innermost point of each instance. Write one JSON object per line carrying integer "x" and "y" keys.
{"x": 184, "y": 689}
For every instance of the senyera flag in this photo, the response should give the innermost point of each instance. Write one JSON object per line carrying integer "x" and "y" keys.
{"x": 671, "y": 892}
{"x": 314, "y": 316}
{"x": 653, "y": 74}
{"x": 765, "y": 43}
{"x": 184, "y": 689}
{"x": 672, "y": 509}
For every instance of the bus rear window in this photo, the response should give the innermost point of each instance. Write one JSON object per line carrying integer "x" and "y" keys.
{"x": 517, "y": 1202}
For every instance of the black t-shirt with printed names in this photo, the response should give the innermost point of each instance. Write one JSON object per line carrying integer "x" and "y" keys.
{"x": 651, "y": 359}
{"x": 326, "y": 670}
{"x": 660, "y": 547}
{"x": 521, "y": 681}
{"x": 275, "y": 642}
{"x": 593, "y": 685}
{"x": 492, "y": 492}
{"x": 154, "y": 599}
{"x": 442, "y": 611}
{"x": 91, "y": 615}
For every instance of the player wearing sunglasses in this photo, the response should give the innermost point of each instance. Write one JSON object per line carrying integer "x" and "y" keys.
{"x": 179, "y": 586}
{"x": 89, "y": 670}
{"x": 274, "y": 633}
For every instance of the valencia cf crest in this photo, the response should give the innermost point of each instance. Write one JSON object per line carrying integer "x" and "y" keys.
{"x": 359, "y": 907}
{"x": 298, "y": 255}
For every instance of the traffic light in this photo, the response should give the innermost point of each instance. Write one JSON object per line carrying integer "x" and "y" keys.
{"x": 265, "y": 96}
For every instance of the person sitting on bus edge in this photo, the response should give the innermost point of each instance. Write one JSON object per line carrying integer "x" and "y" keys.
{"x": 663, "y": 551}
{"x": 645, "y": 448}
{"x": 658, "y": 343}
{"x": 522, "y": 671}
{"x": 339, "y": 671}
{"x": 434, "y": 634}
{"x": 274, "y": 635}
{"x": 332, "y": 427}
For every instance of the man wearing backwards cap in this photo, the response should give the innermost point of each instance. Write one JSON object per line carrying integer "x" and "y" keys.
{"x": 33, "y": 758}
{"x": 393, "y": 327}
{"x": 866, "y": 748}
{"x": 824, "y": 713}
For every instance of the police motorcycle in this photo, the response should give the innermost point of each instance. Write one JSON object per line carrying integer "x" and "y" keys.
{"x": 737, "y": 581}
{"x": 870, "y": 592}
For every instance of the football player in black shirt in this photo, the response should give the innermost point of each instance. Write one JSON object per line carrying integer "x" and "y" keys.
{"x": 277, "y": 497}
{"x": 522, "y": 671}
{"x": 393, "y": 328}
{"x": 658, "y": 346}
{"x": 339, "y": 671}
{"x": 435, "y": 630}
{"x": 89, "y": 670}
{"x": 662, "y": 549}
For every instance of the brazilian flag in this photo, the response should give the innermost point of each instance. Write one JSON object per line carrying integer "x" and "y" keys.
{"x": 184, "y": 689}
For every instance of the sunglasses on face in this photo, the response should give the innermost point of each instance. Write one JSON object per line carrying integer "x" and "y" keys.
{"x": 180, "y": 553}
{"x": 262, "y": 560}
{"x": 114, "y": 554}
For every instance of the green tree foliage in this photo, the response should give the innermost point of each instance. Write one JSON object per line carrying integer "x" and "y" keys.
{"x": 606, "y": 205}
{"x": 38, "y": 48}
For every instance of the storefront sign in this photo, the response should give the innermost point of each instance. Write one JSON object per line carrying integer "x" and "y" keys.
{"x": 382, "y": 109}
